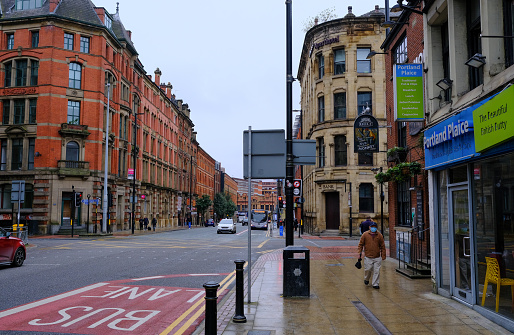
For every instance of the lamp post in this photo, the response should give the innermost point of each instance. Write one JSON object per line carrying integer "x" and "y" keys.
{"x": 135, "y": 152}
{"x": 289, "y": 124}
{"x": 106, "y": 162}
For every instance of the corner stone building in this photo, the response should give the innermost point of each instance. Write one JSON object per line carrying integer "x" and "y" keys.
{"x": 57, "y": 57}
{"x": 338, "y": 84}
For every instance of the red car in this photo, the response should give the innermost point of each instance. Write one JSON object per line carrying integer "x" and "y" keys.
{"x": 12, "y": 249}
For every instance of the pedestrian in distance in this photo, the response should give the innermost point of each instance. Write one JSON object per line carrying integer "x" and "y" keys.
{"x": 295, "y": 224}
{"x": 374, "y": 253}
{"x": 141, "y": 223}
{"x": 154, "y": 223}
{"x": 364, "y": 225}
{"x": 145, "y": 223}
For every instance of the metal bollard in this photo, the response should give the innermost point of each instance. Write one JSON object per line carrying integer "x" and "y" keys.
{"x": 211, "y": 311}
{"x": 239, "y": 316}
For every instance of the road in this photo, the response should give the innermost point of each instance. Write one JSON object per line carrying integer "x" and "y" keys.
{"x": 146, "y": 284}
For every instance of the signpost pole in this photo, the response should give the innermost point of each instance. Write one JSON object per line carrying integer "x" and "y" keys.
{"x": 249, "y": 214}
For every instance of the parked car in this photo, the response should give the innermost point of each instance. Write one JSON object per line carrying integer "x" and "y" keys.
{"x": 12, "y": 249}
{"x": 227, "y": 225}
{"x": 209, "y": 222}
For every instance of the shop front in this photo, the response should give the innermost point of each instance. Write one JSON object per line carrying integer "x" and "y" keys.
{"x": 470, "y": 157}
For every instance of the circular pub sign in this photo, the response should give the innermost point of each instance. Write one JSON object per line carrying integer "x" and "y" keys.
{"x": 366, "y": 134}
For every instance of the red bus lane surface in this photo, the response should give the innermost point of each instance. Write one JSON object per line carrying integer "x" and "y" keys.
{"x": 117, "y": 307}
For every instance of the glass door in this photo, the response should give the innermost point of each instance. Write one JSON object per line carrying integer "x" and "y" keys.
{"x": 459, "y": 216}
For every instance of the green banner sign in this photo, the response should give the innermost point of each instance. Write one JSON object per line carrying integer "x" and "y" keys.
{"x": 408, "y": 92}
{"x": 493, "y": 122}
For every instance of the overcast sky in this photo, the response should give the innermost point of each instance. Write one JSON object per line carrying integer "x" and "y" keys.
{"x": 226, "y": 60}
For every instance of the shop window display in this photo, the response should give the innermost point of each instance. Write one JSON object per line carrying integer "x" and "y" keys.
{"x": 493, "y": 194}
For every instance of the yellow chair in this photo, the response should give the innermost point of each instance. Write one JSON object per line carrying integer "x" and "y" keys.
{"x": 492, "y": 276}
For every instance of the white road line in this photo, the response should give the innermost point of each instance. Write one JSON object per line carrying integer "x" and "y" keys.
{"x": 147, "y": 278}
{"x": 50, "y": 300}
{"x": 204, "y": 274}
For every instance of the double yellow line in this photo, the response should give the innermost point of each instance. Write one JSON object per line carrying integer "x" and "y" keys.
{"x": 223, "y": 284}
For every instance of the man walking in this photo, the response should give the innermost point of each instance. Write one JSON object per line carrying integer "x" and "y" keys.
{"x": 364, "y": 226}
{"x": 374, "y": 252}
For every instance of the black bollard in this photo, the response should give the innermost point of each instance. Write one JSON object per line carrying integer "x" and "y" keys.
{"x": 240, "y": 315}
{"x": 211, "y": 310}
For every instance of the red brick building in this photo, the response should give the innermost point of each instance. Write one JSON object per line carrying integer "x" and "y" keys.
{"x": 407, "y": 200}
{"x": 60, "y": 61}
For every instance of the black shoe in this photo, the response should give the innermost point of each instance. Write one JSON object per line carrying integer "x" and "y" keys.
{"x": 366, "y": 282}
{"x": 376, "y": 287}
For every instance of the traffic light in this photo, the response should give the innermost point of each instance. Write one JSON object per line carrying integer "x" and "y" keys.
{"x": 280, "y": 202}
{"x": 109, "y": 200}
{"x": 78, "y": 199}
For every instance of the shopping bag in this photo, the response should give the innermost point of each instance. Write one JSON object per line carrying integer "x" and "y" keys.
{"x": 358, "y": 265}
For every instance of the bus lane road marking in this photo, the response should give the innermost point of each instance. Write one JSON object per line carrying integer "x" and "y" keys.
{"x": 121, "y": 306}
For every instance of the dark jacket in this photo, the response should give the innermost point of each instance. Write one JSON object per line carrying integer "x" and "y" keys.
{"x": 365, "y": 225}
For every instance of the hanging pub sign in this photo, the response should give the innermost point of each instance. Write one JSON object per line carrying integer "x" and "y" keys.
{"x": 365, "y": 134}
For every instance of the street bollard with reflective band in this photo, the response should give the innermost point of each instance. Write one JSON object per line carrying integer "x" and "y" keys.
{"x": 211, "y": 310}
{"x": 239, "y": 316}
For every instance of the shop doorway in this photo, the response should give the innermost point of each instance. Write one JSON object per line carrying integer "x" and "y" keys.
{"x": 332, "y": 210}
{"x": 462, "y": 272}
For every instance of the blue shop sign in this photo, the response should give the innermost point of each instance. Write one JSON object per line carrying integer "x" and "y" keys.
{"x": 451, "y": 140}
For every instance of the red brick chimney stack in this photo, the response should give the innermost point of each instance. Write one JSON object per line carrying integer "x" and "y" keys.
{"x": 158, "y": 77}
{"x": 53, "y": 5}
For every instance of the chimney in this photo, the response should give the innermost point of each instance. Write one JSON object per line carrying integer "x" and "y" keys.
{"x": 350, "y": 10}
{"x": 53, "y": 5}
{"x": 377, "y": 8}
{"x": 158, "y": 77}
{"x": 169, "y": 87}
{"x": 129, "y": 32}
{"x": 316, "y": 21}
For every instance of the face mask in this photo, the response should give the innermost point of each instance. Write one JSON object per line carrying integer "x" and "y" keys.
{"x": 373, "y": 229}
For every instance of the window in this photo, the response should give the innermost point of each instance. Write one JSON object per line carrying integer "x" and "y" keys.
{"x": 10, "y": 41}
{"x": 75, "y": 75}
{"x": 339, "y": 61}
{"x": 68, "y": 41}
{"x": 108, "y": 22}
{"x": 3, "y": 155}
{"x": 25, "y": 72}
{"x": 34, "y": 72}
{"x": 6, "y": 111}
{"x": 19, "y": 111}
{"x": 32, "y": 142}
{"x": 72, "y": 151}
{"x": 84, "y": 44}
{"x": 404, "y": 203}
{"x": 340, "y": 150}
{"x": 73, "y": 112}
{"x": 17, "y": 154}
{"x": 364, "y": 102}
{"x": 400, "y": 52}
{"x": 366, "y": 201}
{"x": 32, "y": 110}
{"x": 340, "y": 105}
{"x": 363, "y": 64}
{"x": 28, "y": 4}
{"x": 109, "y": 78}
{"x": 321, "y": 66}
{"x": 21, "y": 73}
{"x": 508, "y": 24}
{"x": 321, "y": 152}
{"x": 321, "y": 109}
{"x": 35, "y": 39}
{"x": 476, "y": 75}
{"x": 365, "y": 158}
{"x": 446, "y": 59}
{"x": 402, "y": 134}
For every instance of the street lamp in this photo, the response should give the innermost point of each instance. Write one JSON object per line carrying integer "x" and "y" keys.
{"x": 381, "y": 201}
{"x": 106, "y": 161}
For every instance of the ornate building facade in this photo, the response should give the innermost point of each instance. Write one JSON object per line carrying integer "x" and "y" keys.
{"x": 338, "y": 84}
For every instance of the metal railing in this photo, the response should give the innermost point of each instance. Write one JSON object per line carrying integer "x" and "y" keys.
{"x": 19, "y": 232}
{"x": 411, "y": 252}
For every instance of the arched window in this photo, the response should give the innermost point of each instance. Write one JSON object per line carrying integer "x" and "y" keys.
{"x": 72, "y": 151}
{"x": 21, "y": 72}
{"x": 75, "y": 75}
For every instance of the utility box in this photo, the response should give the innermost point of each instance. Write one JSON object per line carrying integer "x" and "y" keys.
{"x": 296, "y": 281}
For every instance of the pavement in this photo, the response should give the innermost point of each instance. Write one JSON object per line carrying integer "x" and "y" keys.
{"x": 339, "y": 302}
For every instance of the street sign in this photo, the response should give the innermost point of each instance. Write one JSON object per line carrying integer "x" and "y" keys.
{"x": 267, "y": 153}
{"x": 130, "y": 174}
{"x": 297, "y": 187}
{"x": 18, "y": 191}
